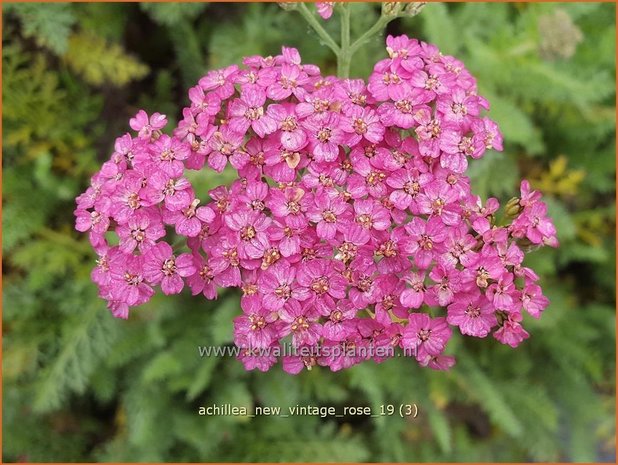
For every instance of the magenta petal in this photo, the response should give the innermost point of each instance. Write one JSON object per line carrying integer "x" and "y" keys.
{"x": 172, "y": 284}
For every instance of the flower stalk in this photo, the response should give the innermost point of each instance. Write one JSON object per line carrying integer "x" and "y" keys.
{"x": 345, "y": 50}
{"x": 317, "y": 27}
{"x": 344, "y": 57}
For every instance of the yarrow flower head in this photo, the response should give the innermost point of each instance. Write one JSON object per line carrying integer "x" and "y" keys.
{"x": 350, "y": 218}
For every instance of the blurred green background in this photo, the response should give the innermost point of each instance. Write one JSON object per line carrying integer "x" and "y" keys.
{"x": 79, "y": 385}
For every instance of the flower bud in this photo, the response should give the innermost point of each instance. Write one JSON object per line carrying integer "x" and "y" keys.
{"x": 526, "y": 245}
{"x": 512, "y": 208}
{"x": 414, "y": 8}
{"x": 559, "y": 35}
{"x": 288, "y": 6}
{"x": 501, "y": 316}
{"x": 391, "y": 8}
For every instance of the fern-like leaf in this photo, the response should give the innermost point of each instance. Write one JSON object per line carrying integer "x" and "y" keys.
{"x": 48, "y": 23}
{"x": 100, "y": 62}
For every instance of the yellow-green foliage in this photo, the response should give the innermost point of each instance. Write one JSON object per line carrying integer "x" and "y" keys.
{"x": 99, "y": 62}
{"x": 558, "y": 179}
{"x": 31, "y": 97}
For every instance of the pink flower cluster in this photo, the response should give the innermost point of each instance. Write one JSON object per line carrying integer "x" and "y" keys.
{"x": 351, "y": 224}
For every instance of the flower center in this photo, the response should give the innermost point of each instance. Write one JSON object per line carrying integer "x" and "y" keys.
{"x": 189, "y": 212}
{"x": 404, "y": 106}
{"x": 374, "y": 178}
{"x": 232, "y": 256}
{"x": 257, "y": 205}
{"x": 289, "y": 124}
{"x": 481, "y": 277}
{"x": 347, "y": 251}
{"x": 364, "y": 284}
{"x": 358, "y": 99}
{"x": 320, "y": 285}
{"x": 286, "y": 83}
{"x": 254, "y": 113}
{"x": 425, "y": 242}
{"x": 247, "y": 233}
{"x": 252, "y": 77}
{"x": 370, "y": 151}
{"x": 473, "y": 312}
{"x": 222, "y": 204}
{"x": 283, "y": 292}
{"x": 270, "y": 257}
{"x": 412, "y": 187}
{"x": 434, "y": 128}
{"x": 329, "y": 216}
{"x": 204, "y": 232}
{"x": 293, "y": 207}
{"x": 300, "y": 324}
{"x": 424, "y": 334}
{"x": 133, "y": 200}
{"x": 257, "y": 322}
{"x": 465, "y": 146}
{"x": 388, "y": 249}
{"x": 170, "y": 188}
{"x": 169, "y": 267}
{"x": 365, "y": 221}
{"x": 438, "y": 204}
{"x": 308, "y": 253}
{"x": 291, "y": 158}
{"x": 432, "y": 82}
{"x": 321, "y": 105}
{"x": 132, "y": 279}
{"x": 391, "y": 78}
{"x": 206, "y": 273}
{"x": 346, "y": 165}
{"x": 388, "y": 302}
{"x": 459, "y": 109}
{"x": 167, "y": 155}
{"x": 95, "y": 217}
{"x": 138, "y": 234}
{"x": 324, "y": 135}
{"x": 103, "y": 263}
{"x": 325, "y": 180}
{"x": 249, "y": 289}
{"x": 360, "y": 126}
{"x": 257, "y": 159}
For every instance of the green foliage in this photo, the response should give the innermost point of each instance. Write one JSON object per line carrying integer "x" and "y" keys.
{"x": 177, "y": 19}
{"x": 49, "y": 25}
{"x": 108, "y": 21}
{"x": 262, "y": 29}
{"x": 87, "y": 338}
{"x": 82, "y": 386}
{"x": 170, "y": 14}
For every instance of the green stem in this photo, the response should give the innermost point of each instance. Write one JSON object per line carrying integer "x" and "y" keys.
{"x": 317, "y": 27}
{"x": 345, "y": 57}
{"x": 382, "y": 21}
{"x": 346, "y": 51}
{"x": 522, "y": 48}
